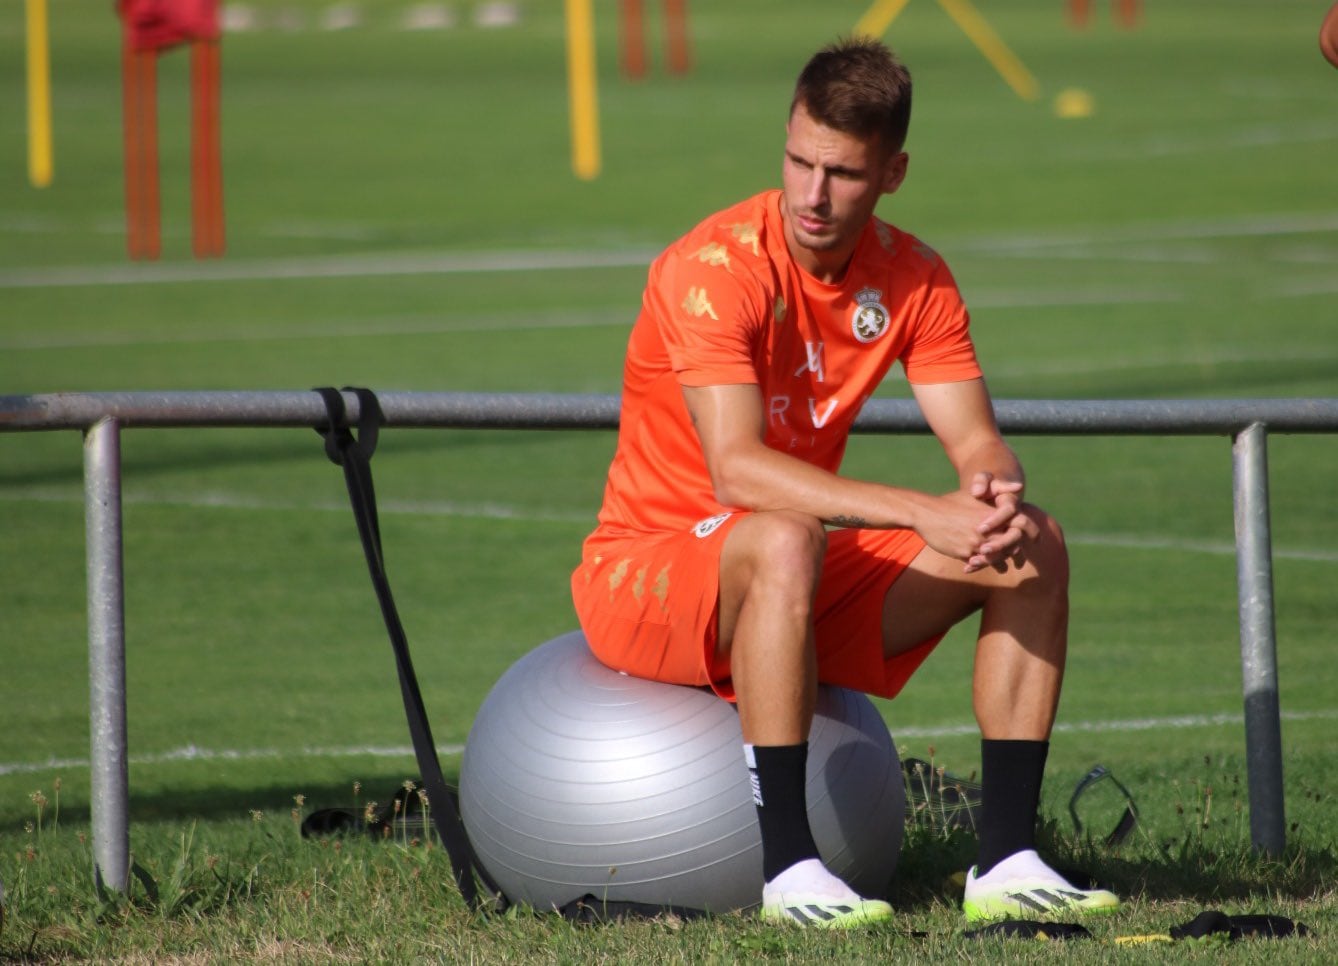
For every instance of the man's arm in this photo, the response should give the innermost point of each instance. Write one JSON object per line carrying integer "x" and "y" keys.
{"x": 746, "y": 473}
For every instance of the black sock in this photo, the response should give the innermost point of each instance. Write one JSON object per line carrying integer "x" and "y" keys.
{"x": 778, "y": 775}
{"x": 1010, "y": 779}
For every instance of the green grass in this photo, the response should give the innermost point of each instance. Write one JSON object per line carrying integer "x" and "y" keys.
{"x": 1179, "y": 243}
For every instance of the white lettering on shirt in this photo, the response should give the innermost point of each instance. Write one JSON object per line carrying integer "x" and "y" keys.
{"x": 820, "y": 421}
{"x": 814, "y": 363}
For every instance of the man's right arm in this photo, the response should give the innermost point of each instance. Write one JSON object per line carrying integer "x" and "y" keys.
{"x": 748, "y": 474}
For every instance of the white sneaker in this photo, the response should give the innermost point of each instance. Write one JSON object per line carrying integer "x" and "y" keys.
{"x": 1022, "y": 886}
{"x": 807, "y": 894}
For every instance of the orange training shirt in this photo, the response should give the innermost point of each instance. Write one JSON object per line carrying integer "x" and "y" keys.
{"x": 726, "y": 304}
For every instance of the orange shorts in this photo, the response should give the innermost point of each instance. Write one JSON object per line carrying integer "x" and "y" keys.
{"x": 647, "y": 605}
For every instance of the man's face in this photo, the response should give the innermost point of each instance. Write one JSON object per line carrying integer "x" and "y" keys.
{"x": 831, "y": 184}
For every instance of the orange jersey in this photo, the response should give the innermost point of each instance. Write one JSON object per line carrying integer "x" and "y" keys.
{"x": 726, "y": 304}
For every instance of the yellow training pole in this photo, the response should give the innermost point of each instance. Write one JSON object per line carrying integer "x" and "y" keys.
{"x": 581, "y": 90}
{"x": 995, "y": 50}
{"x": 879, "y": 17}
{"x": 39, "y": 96}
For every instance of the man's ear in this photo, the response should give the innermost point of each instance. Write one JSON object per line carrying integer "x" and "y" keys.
{"x": 895, "y": 172}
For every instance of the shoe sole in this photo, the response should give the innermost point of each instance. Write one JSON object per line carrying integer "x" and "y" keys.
{"x": 1039, "y": 904}
{"x": 829, "y": 915}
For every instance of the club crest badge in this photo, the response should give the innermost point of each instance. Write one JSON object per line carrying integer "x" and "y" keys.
{"x": 870, "y": 318}
{"x": 705, "y": 528}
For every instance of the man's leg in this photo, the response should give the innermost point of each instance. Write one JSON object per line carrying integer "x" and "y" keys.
{"x": 769, "y": 571}
{"x": 1019, "y": 667}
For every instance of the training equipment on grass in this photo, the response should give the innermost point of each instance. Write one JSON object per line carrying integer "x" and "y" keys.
{"x": 151, "y": 26}
{"x": 578, "y": 780}
{"x": 38, "y": 50}
{"x": 632, "y": 32}
{"x": 879, "y": 17}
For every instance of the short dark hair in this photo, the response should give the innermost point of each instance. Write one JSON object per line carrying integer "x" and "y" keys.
{"x": 859, "y": 87}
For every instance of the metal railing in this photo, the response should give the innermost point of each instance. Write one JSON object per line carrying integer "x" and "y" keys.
{"x": 102, "y": 416}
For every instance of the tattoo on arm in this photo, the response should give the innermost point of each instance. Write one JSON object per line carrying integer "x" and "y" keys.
{"x": 854, "y": 523}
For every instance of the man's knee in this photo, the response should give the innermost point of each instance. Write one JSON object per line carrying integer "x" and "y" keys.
{"x": 780, "y": 546}
{"x": 1048, "y": 556}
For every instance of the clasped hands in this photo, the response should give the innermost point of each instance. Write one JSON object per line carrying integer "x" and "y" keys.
{"x": 1006, "y": 529}
{"x": 985, "y": 524}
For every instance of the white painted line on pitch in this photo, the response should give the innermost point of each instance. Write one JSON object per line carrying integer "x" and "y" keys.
{"x": 328, "y": 266}
{"x": 216, "y": 499}
{"x": 604, "y": 316}
{"x": 366, "y": 328}
{"x": 194, "y": 753}
{"x": 435, "y": 263}
{"x": 1220, "y": 355}
{"x": 1235, "y": 139}
{"x": 1320, "y": 286}
{"x": 1171, "y": 723}
{"x": 1246, "y": 226}
{"x": 1219, "y": 548}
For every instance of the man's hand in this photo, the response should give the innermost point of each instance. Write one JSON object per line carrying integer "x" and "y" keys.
{"x": 1005, "y": 527}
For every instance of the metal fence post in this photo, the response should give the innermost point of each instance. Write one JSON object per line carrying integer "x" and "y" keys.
{"x": 1258, "y": 646}
{"x": 110, "y": 778}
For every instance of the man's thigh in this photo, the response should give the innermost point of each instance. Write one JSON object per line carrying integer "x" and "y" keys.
{"x": 861, "y": 570}
{"x": 648, "y": 604}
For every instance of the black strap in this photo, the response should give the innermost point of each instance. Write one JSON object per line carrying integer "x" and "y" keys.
{"x": 1212, "y": 922}
{"x": 1128, "y": 818}
{"x": 354, "y": 455}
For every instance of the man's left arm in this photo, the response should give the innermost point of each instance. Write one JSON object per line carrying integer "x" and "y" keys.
{"x": 961, "y": 416}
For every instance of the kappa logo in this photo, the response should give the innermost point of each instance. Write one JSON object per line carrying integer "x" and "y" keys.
{"x": 697, "y": 303}
{"x": 710, "y": 525}
{"x": 870, "y": 318}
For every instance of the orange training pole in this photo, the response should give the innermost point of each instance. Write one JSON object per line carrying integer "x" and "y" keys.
{"x": 140, "y": 107}
{"x": 633, "y": 29}
{"x": 206, "y": 164}
{"x": 676, "y": 33}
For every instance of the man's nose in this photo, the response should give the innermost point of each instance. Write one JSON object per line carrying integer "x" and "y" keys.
{"x": 816, "y": 194}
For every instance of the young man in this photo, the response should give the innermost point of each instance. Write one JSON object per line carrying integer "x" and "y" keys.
{"x": 730, "y": 553}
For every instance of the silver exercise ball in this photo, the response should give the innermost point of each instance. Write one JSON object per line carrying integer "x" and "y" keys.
{"x": 577, "y": 779}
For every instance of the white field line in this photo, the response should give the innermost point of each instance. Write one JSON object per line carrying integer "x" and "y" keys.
{"x": 434, "y": 263}
{"x": 1214, "y": 547}
{"x": 1236, "y": 139}
{"x": 326, "y": 266}
{"x": 1216, "y": 229}
{"x": 595, "y": 317}
{"x": 194, "y": 753}
{"x": 1221, "y": 355}
{"x": 214, "y": 499}
{"x": 1169, "y": 723}
{"x": 1298, "y": 289}
{"x": 378, "y": 327}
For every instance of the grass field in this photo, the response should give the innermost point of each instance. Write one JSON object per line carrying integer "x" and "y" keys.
{"x": 393, "y": 199}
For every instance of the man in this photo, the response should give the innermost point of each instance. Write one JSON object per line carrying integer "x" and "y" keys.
{"x": 730, "y": 553}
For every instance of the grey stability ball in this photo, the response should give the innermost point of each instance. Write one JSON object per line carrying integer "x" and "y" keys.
{"x": 580, "y": 780}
